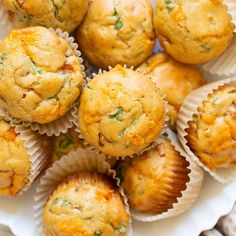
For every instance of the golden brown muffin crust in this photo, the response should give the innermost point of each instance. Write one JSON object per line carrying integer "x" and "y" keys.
{"x": 121, "y": 112}
{"x": 192, "y": 31}
{"x": 212, "y": 133}
{"x": 174, "y": 79}
{"x": 85, "y": 204}
{"x": 14, "y": 161}
{"x": 40, "y": 76}
{"x": 154, "y": 180}
{"x": 64, "y": 14}
{"x": 117, "y": 32}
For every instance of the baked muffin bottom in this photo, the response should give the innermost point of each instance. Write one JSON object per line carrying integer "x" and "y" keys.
{"x": 154, "y": 180}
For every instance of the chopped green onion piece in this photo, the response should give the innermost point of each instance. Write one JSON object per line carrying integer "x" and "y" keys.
{"x": 117, "y": 115}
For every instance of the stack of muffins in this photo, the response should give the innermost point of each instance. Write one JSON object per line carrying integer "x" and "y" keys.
{"x": 125, "y": 117}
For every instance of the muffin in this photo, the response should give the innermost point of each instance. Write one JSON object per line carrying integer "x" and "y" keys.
{"x": 117, "y": 32}
{"x": 40, "y": 76}
{"x": 212, "y": 133}
{"x": 65, "y": 14}
{"x": 65, "y": 143}
{"x": 121, "y": 112}
{"x": 15, "y": 162}
{"x": 170, "y": 75}
{"x": 193, "y": 32}
{"x": 154, "y": 180}
{"x": 85, "y": 204}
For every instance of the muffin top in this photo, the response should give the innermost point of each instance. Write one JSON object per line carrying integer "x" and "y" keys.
{"x": 183, "y": 37}
{"x": 175, "y": 80}
{"x": 14, "y": 161}
{"x": 65, "y": 14}
{"x": 64, "y": 143}
{"x": 85, "y": 204}
{"x": 117, "y": 32}
{"x": 154, "y": 180}
{"x": 212, "y": 133}
{"x": 121, "y": 112}
{"x": 40, "y": 76}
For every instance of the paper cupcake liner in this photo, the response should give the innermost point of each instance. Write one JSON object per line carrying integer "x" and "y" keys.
{"x": 37, "y": 148}
{"x": 4, "y": 18}
{"x": 223, "y": 65}
{"x": 65, "y": 122}
{"x": 189, "y": 195}
{"x": 231, "y": 4}
{"x": 95, "y": 149}
{"x": 89, "y": 68}
{"x": 227, "y": 224}
{"x": 188, "y": 108}
{"x": 79, "y": 160}
{"x": 211, "y": 232}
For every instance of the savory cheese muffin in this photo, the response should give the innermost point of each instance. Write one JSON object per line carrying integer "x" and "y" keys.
{"x": 40, "y": 76}
{"x": 85, "y": 204}
{"x": 212, "y": 133}
{"x": 174, "y": 79}
{"x": 117, "y": 32}
{"x": 121, "y": 112}
{"x": 14, "y": 161}
{"x": 154, "y": 180}
{"x": 64, "y": 14}
{"x": 65, "y": 143}
{"x": 193, "y": 31}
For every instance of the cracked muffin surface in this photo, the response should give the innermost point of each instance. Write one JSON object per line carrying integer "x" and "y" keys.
{"x": 63, "y": 14}
{"x": 212, "y": 133}
{"x": 193, "y": 32}
{"x": 154, "y": 180}
{"x": 14, "y": 161}
{"x": 85, "y": 204}
{"x": 40, "y": 76}
{"x": 174, "y": 79}
{"x": 121, "y": 112}
{"x": 117, "y": 32}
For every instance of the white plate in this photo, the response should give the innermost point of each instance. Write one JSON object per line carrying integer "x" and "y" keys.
{"x": 214, "y": 201}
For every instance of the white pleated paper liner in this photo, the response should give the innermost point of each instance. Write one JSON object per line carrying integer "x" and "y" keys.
{"x": 231, "y": 4}
{"x": 188, "y": 108}
{"x": 224, "y": 65}
{"x": 227, "y": 224}
{"x": 37, "y": 148}
{"x": 95, "y": 149}
{"x": 4, "y": 21}
{"x": 211, "y": 232}
{"x": 79, "y": 160}
{"x": 65, "y": 122}
{"x": 189, "y": 195}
